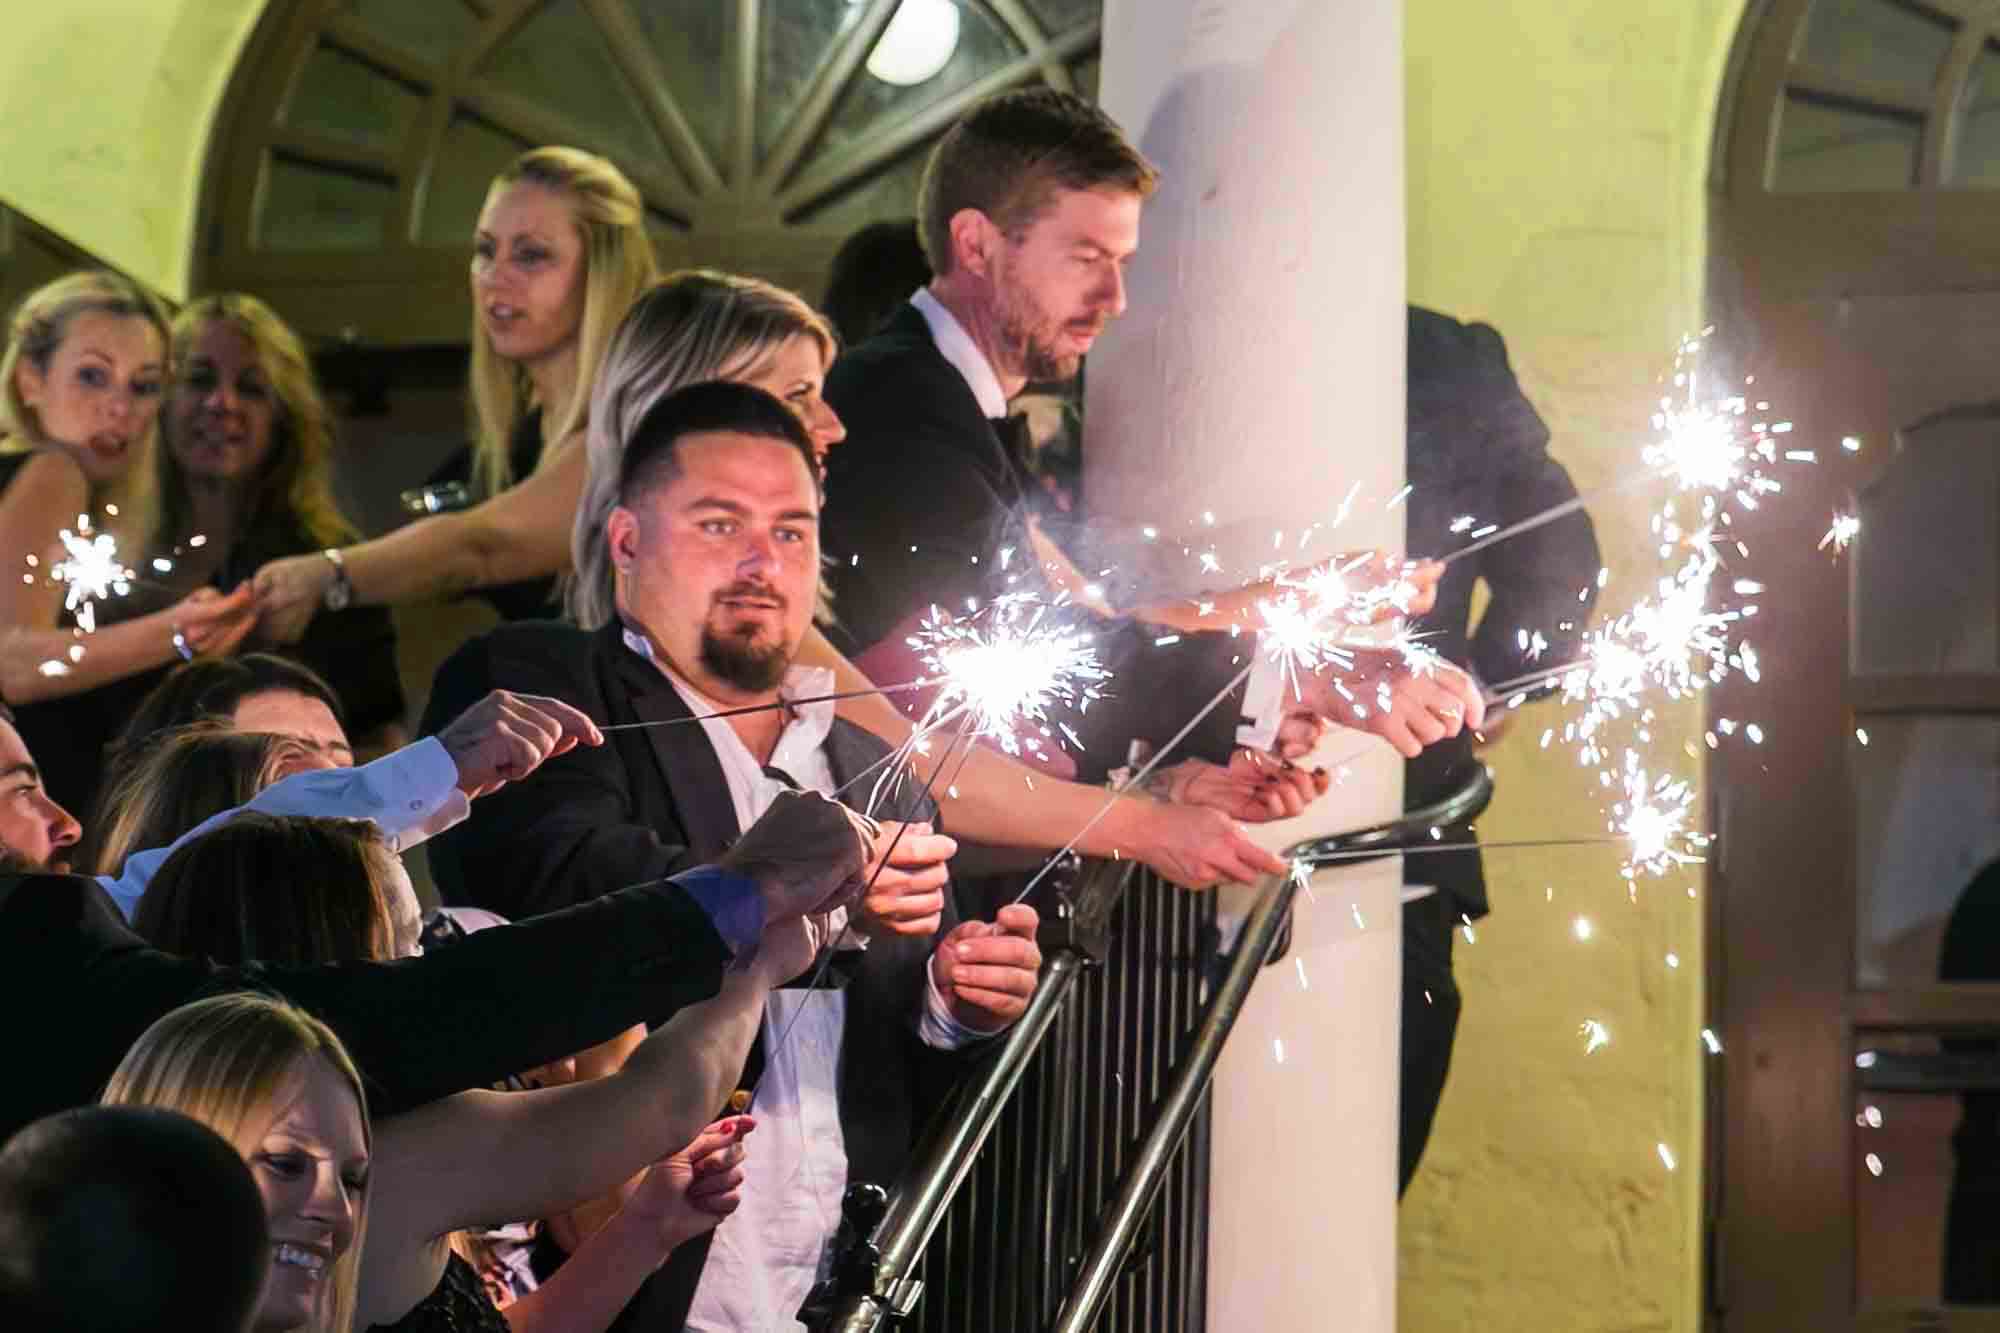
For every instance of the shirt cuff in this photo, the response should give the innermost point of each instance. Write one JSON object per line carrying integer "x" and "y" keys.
{"x": 936, "y": 1026}
{"x": 1263, "y": 705}
{"x": 453, "y": 812}
{"x": 733, "y": 902}
{"x": 409, "y": 795}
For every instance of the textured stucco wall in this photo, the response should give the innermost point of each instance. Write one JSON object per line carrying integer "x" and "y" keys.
{"x": 105, "y": 107}
{"x": 1557, "y": 155}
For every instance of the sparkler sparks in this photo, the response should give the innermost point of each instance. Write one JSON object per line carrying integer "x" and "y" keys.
{"x": 90, "y": 572}
{"x": 1653, "y": 816}
{"x": 1007, "y": 666}
{"x": 1844, "y": 529}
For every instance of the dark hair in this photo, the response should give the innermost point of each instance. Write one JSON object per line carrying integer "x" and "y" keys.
{"x": 121, "y": 1217}
{"x": 714, "y": 405}
{"x": 1009, "y": 155}
{"x": 210, "y": 688}
{"x": 873, "y": 274}
{"x": 282, "y": 889}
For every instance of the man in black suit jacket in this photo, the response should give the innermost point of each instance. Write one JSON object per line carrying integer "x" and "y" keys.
{"x": 1029, "y": 209}
{"x": 1475, "y": 446}
{"x": 715, "y": 546}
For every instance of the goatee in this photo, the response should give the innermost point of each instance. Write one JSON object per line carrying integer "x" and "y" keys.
{"x": 742, "y": 662}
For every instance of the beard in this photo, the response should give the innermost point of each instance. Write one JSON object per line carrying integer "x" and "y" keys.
{"x": 19, "y": 863}
{"x": 1031, "y": 334}
{"x": 736, "y": 655}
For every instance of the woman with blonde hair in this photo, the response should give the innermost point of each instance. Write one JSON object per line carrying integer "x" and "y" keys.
{"x": 478, "y": 1156}
{"x": 244, "y": 475}
{"x": 278, "y": 1085}
{"x": 80, "y": 382}
{"x": 559, "y": 255}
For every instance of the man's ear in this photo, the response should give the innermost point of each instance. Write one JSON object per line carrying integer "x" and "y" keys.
{"x": 621, "y": 535}
{"x": 972, "y": 237}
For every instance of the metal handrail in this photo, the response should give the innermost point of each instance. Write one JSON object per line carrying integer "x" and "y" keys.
{"x": 886, "y": 1235}
{"x": 1142, "y": 1178}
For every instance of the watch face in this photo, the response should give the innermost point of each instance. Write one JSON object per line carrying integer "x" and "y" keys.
{"x": 337, "y": 593}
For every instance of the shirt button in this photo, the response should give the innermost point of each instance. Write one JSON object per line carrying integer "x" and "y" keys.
{"x": 416, "y": 805}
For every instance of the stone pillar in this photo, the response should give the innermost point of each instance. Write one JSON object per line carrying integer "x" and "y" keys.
{"x": 1258, "y": 377}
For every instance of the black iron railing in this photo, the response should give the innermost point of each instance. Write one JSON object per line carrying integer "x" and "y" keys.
{"x": 1092, "y": 1113}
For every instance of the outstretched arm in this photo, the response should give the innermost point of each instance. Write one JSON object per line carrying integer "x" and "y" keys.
{"x": 1004, "y": 803}
{"x": 521, "y": 533}
{"x": 485, "y": 1155}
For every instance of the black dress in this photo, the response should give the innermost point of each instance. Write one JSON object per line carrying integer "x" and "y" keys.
{"x": 458, "y": 1304}
{"x": 354, "y": 650}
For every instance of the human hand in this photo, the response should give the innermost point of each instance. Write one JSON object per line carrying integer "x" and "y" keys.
{"x": 805, "y": 853}
{"x": 690, "y": 1192}
{"x": 1195, "y": 846}
{"x": 908, "y": 879}
{"x": 1254, "y": 786}
{"x": 1299, "y": 734}
{"x": 1408, "y": 706}
{"x": 214, "y": 624}
{"x": 506, "y": 736}
{"x": 987, "y": 971}
{"x": 788, "y": 947}
{"x": 289, "y": 592}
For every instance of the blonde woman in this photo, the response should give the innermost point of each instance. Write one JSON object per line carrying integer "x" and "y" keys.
{"x": 80, "y": 383}
{"x": 244, "y": 475}
{"x": 267, "y": 1080}
{"x": 559, "y": 255}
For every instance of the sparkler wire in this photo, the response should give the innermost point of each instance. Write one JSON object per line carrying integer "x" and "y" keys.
{"x": 819, "y": 974}
{"x": 774, "y": 707}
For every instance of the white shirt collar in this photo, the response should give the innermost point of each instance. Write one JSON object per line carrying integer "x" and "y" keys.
{"x": 962, "y": 352}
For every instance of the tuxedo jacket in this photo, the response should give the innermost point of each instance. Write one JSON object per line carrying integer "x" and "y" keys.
{"x": 650, "y": 802}
{"x": 1475, "y": 445}
{"x": 82, "y": 986}
{"x": 922, "y": 499}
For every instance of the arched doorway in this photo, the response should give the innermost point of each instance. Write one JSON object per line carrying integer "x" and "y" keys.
{"x": 1856, "y": 273}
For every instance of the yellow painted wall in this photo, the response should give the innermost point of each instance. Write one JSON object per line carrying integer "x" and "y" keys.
{"x": 1557, "y": 158}
{"x": 105, "y": 107}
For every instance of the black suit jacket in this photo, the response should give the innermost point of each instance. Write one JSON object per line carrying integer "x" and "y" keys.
{"x": 81, "y": 987}
{"x": 923, "y": 467}
{"x": 653, "y": 801}
{"x": 1476, "y": 446}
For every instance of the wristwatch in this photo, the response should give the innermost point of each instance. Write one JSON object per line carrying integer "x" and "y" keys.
{"x": 341, "y": 591}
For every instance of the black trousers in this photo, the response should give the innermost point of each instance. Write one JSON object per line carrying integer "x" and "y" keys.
{"x": 1430, "y": 1022}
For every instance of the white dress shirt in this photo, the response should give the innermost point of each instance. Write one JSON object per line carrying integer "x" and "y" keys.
{"x": 410, "y": 795}
{"x": 765, "y": 1257}
{"x": 1264, "y": 694}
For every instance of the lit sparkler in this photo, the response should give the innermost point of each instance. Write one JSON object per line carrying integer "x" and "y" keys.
{"x": 1844, "y": 529}
{"x": 90, "y": 572}
{"x": 1653, "y": 817}
{"x": 1006, "y": 667}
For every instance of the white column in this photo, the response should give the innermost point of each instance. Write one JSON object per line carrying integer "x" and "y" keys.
{"x": 1258, "y": 375}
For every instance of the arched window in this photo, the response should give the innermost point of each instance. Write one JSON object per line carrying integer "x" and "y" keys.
{"x": 1858, "y": 142}
{"x": 357, "y": 140}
